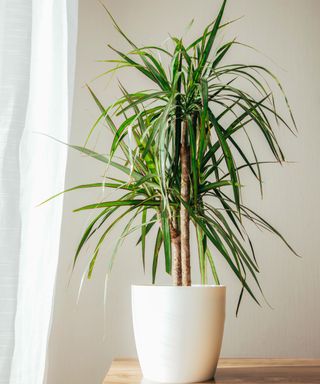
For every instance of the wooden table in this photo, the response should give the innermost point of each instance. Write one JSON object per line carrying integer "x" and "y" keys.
{"x": 231, "y": 371}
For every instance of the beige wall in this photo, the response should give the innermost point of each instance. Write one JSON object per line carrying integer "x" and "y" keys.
{"x": 289, "y": 32}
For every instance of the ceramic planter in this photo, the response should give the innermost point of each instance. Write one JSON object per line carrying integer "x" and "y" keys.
{"x": 178, "y": 331}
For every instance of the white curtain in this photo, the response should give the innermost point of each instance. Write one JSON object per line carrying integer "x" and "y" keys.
{"x": 37, "y": 53}
{"x": 15, "y": 29}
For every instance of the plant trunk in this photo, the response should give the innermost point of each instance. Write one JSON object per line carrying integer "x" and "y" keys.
{"x": 184, "y": 214}
{"x": 176, "y": 252}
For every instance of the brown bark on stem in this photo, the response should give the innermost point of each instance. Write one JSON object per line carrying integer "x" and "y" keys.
{"x": 184, "y": 214}
{"x": 176, "y": 252}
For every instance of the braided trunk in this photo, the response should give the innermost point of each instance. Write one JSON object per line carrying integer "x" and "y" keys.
{"x": 184, "y": 214}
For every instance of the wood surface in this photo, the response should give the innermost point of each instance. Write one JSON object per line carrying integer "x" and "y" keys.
{"x": 231, "y": 371}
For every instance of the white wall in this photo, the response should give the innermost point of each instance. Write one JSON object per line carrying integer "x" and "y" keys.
{"x": 286, "y": 30}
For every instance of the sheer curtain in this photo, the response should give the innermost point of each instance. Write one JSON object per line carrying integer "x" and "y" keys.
{"x": 15, "y": 30}
{"x": 37, "y": 51}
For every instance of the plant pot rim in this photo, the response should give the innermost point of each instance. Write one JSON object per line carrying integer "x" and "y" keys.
{"x": 201, "y": 286}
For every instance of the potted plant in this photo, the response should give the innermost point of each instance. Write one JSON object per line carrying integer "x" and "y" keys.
{"x": 179, "y": 148}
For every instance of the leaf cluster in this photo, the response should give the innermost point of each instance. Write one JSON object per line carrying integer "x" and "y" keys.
{"x": 222, "y": 104}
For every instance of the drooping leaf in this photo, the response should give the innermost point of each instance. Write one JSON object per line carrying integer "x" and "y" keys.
{"x": 143, "y": 237}
{"x": 157, "y": 247}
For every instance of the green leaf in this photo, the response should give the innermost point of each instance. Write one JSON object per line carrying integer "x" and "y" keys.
{"x": 119, "y": 203}
{"x": 193, "y": 157}
{"x": 105, "y": 213}
{"x": 210, "y": 41}
{"x": 239, "y": 301}
{"x": 139, "y": 67}
{"x": 121, "y": 239}
{"x": 202, "y": 255}
{"x": 148, "y": 227}
{"x": 143, "y": 237}
{"x": 217, "y": 184}
{"x": 157, "y": 247}
{"x": 228, "y": 158}
{"x": 86, "y": 186}
{"x": 220, "y": 54}
{"x": 213, "y": 267}
{"x": 165, "y": 227}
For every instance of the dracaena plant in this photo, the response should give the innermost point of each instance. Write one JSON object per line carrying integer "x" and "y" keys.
{"x": 179, "y": 146}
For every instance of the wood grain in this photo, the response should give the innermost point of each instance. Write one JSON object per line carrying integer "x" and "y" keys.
{"x": 231, "y": 371}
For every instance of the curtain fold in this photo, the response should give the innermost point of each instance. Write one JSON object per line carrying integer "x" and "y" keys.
{"x": 37, "y": 59}
{"x": 15, "y": 33}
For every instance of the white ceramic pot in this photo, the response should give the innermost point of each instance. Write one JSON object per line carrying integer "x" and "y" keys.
{"x": 178, "y": 331}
